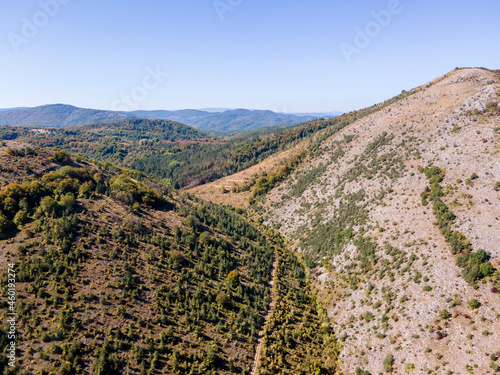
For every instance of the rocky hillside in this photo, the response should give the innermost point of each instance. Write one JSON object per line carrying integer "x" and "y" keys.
{"x": 398, "y": 217}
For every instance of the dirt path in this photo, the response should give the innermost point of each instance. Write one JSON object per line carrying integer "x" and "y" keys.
{"x": 268, "y": 316}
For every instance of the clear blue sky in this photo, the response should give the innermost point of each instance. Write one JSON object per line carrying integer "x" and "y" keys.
{"x": 279, "y": 55}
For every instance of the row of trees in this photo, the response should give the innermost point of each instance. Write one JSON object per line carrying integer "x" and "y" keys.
{"x": 476, "y": 265}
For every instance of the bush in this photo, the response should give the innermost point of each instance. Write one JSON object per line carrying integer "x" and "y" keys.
{"x": 388, "y": 363}
{"x": 48, "y": 207}
{"x": 360, "y": 371}
{"x": 471, "y": 273}
{"x": 473, "y": 303}
{"x": 486, "y": 269}
{"x": 444, "y": 314}
{"x": 222, "y": 299}
{"x": 68, "y": 202}
{"x": 21, "y": 218}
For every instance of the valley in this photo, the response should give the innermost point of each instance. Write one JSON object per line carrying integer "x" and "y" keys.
{"x": 361, "y": 244}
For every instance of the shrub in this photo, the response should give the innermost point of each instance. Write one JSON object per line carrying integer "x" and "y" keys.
{"x": 360, "y": 371}
{"x": 222, "y": 299}
{"x": 388, "y": 363}
{"x": 473, "y": 303}
{"x": 486, "y": 269}
{"x": 444, "y": 314}
{"x": 67, "y": 202}
{"x": 410, "y": 367}
{"x": 48, "y": 207}
{"x": 21, "y": 218}
{"x": 462, "y": 259}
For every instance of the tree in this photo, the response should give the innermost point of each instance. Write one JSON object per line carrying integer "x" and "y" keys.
{"x": 21, "y": 218}
{"x": 205, "y": 238}
{"x": 233, "y": 279}
{"x": 68, "y": 202}
{"x": 222, "y": 299}
{"x": 62, "y": 157}
{"x": 86, "y": 189}
{"x": 6, "y": 226}
{"x": 104, "y": 363}
{"x": 48, "y": 206}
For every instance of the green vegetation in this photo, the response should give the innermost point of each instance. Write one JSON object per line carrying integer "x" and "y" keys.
{"x": 267, "y": 181}
{"x": 298, "y": 338}
{"x": 171, "y": 298}
{"x": 180, "y": 285}
{"x": 388, "y": 363}
{"x": 444, "y": 314}
{"x": 473, "y": 303}
{"x": 476, "y": 265}
{"x": 195, "y": 158}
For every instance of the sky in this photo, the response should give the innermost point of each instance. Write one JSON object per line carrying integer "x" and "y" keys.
{"x": 286, "y": 56}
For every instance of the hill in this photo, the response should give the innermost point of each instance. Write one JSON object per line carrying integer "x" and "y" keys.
{"x": 397, "y": 216}
{"x": 61, "y": 115}
{"x": 116, "y": 274}
{"x": 243, "y": 119}
{"x": 170, "y": 151}
{"x": 119, "y": 142}
{"x": 57, "y": 115}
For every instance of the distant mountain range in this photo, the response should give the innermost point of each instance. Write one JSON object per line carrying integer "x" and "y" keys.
{"x": 211, "y": 120}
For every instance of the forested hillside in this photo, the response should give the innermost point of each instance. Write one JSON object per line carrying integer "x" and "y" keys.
{"x": 117, "y": 274}
{"x": 115, "y": 277}
{"x": 229, "y": 121}
{"x": 57, "y": 115}
{"x": 165, "y": 150}
{"x": 120, "y": 142}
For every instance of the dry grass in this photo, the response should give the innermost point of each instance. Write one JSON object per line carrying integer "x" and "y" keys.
{"x": 214, "y": 191}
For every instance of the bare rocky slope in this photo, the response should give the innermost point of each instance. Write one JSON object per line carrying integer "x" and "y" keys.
{"x": 381, "y": 245}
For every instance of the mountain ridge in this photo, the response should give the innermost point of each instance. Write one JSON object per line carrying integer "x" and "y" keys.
{"x": 228, "y": 121}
